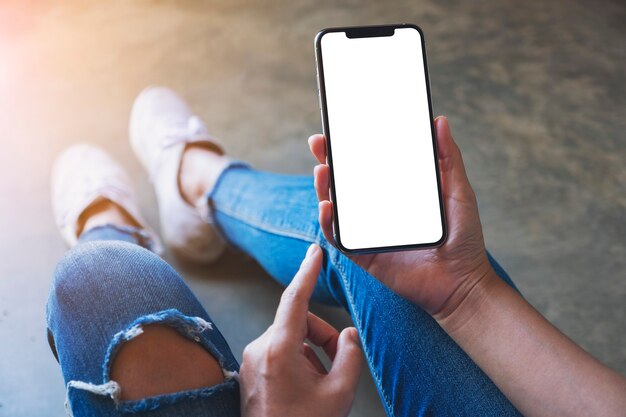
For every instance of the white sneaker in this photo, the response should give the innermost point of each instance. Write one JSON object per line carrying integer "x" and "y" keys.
{"x": 161, "y": 126}
{"x": 83, "y": 175}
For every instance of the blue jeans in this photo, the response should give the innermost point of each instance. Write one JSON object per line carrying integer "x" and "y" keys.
{"x": 105, "y": 289}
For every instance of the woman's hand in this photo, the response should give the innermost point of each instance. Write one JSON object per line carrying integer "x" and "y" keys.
{"x": 282, "y": 376}
{"x": 540, "y": 370}
{"x": 436, "y": 279}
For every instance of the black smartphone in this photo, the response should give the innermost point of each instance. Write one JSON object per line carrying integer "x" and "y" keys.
{"x": 381, "y": 146}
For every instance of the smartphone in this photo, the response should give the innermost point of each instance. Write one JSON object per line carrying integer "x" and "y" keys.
{"x": 380, "y": 138}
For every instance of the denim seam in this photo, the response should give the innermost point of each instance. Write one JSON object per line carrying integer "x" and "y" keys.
{"x": 265, "y": 227}
{"x": 261, "y": 226}
{"x": 357, "y": 319}
{"x": 277, "y": 232}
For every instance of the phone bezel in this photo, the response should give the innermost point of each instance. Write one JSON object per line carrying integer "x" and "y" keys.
{"x": 374, "y": 31}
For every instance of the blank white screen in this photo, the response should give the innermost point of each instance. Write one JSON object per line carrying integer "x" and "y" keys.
{"x": 381, "y": 140}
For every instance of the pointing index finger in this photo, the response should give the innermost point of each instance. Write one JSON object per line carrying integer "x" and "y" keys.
{"x": 291, "y": 315}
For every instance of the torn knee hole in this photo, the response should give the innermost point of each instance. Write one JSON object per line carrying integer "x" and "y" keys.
{"x": 159, "y": 360}
{"x": 161, "y": 353}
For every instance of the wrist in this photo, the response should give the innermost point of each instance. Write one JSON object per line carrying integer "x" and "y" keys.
{"x": 466, "y": 301}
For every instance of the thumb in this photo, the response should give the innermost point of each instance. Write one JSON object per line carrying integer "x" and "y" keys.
{"x": 454, "y": 178}
{"x": 346, "y": 368}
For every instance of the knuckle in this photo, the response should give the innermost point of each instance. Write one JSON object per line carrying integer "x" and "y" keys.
{"x": 265, "y": 348}
{"x": 249, "y": 352}
{"x": 255, "y": 348}
{"x": 275, "y": 352}
{"x": 271, "y": 364}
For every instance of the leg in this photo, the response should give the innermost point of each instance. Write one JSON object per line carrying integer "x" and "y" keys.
{"x": 418, "y": 369}
{"x": 130, "y": 335}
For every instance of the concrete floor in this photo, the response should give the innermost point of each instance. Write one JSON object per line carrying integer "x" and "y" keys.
{"x": 534, "y": 91}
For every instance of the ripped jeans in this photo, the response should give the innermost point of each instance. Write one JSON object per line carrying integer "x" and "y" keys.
{"x": 108, "y": 286}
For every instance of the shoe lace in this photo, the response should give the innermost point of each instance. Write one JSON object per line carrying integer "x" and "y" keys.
{"x": 179, "y": 133}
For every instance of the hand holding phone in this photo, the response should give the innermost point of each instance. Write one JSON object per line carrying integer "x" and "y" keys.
{"x": 435, "y": 278}
{"x": 388, "y": 172}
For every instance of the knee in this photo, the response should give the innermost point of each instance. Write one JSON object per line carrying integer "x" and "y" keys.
{"x": 89, "y": 267}
{"x": 162, "y": 361}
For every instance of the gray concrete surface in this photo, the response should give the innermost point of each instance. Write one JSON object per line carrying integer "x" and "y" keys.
{"x": 534, "y": 91}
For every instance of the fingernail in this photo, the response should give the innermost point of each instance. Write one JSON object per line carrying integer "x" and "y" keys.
{"x": 354, "y": 335}
{"x": 311, "y": 250}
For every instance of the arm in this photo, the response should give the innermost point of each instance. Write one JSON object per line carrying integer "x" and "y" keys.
{"x": 540, "y": 370}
